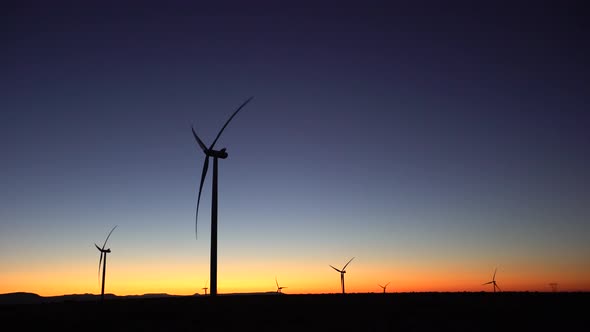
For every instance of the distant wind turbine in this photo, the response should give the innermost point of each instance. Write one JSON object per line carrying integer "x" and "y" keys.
{"x": 279, "y": 288}
{"x": 205, "y": 288}
{"x": 384, "y": 287}
{"x": 216, "y": 154}
{"x": 103, "y": 252}
{"x": 342, "y": 272}
{"x": 493, "y": 282}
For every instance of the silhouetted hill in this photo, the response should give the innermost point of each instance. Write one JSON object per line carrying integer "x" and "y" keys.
{"x": 20, "y": 297}
{"x": 310, "y": 312}
{"x": 32, "y": 298}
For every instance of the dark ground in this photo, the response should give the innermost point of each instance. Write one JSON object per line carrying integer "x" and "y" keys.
{"x": 322, "y": 312}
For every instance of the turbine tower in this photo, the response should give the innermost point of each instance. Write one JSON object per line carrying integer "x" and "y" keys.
{"x": 493, "y": 282}
{"x": 216, "y": 154}
{"x": 384, "y": 287}
{"x": 342, "y": 272}
{"x": 279, "y": 288}
{"x": 103, "y": 252}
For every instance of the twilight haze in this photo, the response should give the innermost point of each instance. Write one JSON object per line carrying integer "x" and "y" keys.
{"x": 433, "y": 142}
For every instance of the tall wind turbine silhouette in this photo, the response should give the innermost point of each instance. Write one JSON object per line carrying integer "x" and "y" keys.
{"x": 342, "y": 272}
{"x": 493, "y": 282}
{"x": 216, "y": 154}
{"x": 384, "y": 287}
{"x": 279, "y": 288}
{"x": 103, "y": 252}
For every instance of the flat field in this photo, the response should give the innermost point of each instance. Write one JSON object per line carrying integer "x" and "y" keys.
{"x": 311, "y": 312}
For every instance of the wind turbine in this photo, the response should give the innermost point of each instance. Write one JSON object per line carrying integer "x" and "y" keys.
{"x": 205, "y": 288}
{"x": 216, "y": 154}
{"x": 103, "y": 252}
{"x": 279, "y": 288}
{"x": 493, "y": 282}
{"x": 342, "y": 272}
{"x": 384, "y": 287}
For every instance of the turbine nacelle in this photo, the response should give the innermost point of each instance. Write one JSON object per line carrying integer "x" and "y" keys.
{"x": 221, "y": 154}
{"x": 102, "y": 250}
{"x": 341, "y": 271}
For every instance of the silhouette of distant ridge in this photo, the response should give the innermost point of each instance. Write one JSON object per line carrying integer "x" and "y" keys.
{"x": 32, "y": 298}
{"x": 20, "y": 297}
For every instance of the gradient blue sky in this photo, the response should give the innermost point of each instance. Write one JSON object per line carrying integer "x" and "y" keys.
{"x": 434, "y": 142}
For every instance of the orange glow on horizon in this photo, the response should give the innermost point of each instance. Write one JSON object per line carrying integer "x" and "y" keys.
{"x": 299, "y": 277}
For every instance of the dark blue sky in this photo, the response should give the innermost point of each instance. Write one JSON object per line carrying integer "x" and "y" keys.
{"x": 408, "y": 126}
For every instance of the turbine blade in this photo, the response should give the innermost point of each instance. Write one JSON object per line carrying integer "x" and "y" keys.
{"x": 205, "y": 167}
{"x": 487, "y": 283}
{"x": 277, "y": 282}
{"x": 99, "y": 264}
{"x": 335, "y": 269}
{"x": 228, "y": 120}
{"x": 99, "y": 261}
{"x": 344, "y": 268}
{"x": 105, "y": 241}
{"x": 201, "y": 144}
{"x": 495, "y": 285}
{"x": 494, "y": 277}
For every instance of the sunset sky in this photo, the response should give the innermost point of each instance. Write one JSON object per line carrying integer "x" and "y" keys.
{"x": 433, "y": 142}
